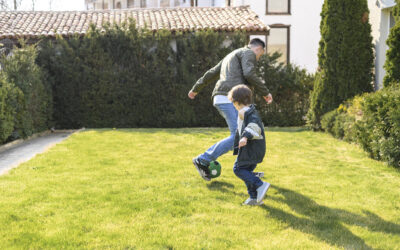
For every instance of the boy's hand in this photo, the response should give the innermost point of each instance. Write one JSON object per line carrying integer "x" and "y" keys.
{"x": 192, "y": 94}
{"x": 268, "y": 98}
{"x": 243, "y": 142}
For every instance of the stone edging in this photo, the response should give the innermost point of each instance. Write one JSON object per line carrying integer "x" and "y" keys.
{"x": 47, "y": 132}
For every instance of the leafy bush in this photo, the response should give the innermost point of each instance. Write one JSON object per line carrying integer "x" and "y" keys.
{"x": 290, "y": 87}
{"x": 25, "y": 95}
{"x": 11, "y": 99}
{"x": 392, "y": 63}
{"x": 373, "y": 121}
{"x": 379, "y": 130}
{"x": 339, "y": 124}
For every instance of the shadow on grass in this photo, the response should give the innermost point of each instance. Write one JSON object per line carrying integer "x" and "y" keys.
{"x": 222, "y": 186}
{"x": 327, "y": 223}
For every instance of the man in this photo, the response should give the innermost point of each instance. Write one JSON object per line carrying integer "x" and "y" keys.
{"x": 238, "y": 67}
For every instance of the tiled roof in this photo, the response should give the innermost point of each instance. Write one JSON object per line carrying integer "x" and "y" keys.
{"x": 25, "y": 24}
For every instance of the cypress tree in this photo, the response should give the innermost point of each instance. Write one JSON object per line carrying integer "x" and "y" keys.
{"x": 345, "y": 56}
{"x": 392, "y": 64}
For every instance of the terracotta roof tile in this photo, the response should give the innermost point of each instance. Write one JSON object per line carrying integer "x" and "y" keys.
{"x": 24, "y": 24}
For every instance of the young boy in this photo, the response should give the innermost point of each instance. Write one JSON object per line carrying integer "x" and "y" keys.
{"x": 249, "y": 144}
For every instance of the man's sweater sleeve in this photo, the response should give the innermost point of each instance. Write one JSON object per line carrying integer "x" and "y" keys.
{"x": 210, "y": 76}
{"x": 248, "y": 62}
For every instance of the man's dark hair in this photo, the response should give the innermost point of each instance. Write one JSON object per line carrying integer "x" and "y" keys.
{"x": 257, "y": 42}
{"x": 241, "y": 94}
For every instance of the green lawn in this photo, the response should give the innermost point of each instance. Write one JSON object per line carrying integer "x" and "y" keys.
{"x": 137, "y": 189}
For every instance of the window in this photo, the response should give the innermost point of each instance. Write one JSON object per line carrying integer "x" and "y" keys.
{"x": 177, "y": 3}
{"x": 279, "y": 41}
{"x": 164, "y": 3}
{"x": 278, "y": 7}
{"x": 98, "y": 5}
{"x": 134, "y": 3}
{"x": 118, "y": 5}
{"x": 90, "y": 6}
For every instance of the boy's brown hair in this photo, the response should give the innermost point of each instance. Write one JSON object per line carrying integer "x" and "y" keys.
{"x": 241, "y": 94}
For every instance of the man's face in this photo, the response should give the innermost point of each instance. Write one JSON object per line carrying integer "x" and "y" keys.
{"x": 259, "y": 51}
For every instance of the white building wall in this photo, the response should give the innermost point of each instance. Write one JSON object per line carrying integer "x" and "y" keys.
{"x": 379, "y": 18}
{"x": 304, "y": 22}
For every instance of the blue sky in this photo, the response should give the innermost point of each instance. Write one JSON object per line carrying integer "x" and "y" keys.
{"x": 55, "y": 4}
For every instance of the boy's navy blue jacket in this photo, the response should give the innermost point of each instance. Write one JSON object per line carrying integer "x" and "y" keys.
{"x": 253, "y": 129}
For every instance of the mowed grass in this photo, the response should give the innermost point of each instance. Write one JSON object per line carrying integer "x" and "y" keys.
{"x": 137, "y": 189}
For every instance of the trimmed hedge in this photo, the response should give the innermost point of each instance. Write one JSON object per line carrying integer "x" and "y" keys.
{"x": 125, "y": 77}
{"x": 11, "y": 99}
{"x": 26, "y": 105}
{"x": 373, "y": 121}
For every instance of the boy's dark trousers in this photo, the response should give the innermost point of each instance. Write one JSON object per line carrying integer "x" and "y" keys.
{"x": 246, "y": 174}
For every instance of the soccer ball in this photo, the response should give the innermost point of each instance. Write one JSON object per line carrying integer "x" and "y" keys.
{"x": 215, "y": 169}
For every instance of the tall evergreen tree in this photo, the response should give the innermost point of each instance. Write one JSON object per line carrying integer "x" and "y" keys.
{"x": 392, "y": 64}
{"x": 345, "y": 56}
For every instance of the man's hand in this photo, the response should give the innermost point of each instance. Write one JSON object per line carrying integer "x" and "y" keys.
{"x": 243, "y": 142}
{"x": 192, "y": 94}
{"x": 268, "y": 98}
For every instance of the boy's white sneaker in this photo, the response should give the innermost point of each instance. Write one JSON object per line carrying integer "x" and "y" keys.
{"x": 262, "y": 190}
{"x": 252, "y": 202}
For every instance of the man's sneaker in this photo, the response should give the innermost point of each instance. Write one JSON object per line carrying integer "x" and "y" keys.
{"x": 203, "y": 170}
{"x": 252, "y": 202}
{"x": 262, "y": 190}
{"x": 259, "y": 174}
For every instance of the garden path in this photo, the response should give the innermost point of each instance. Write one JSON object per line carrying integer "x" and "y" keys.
{"x": 26, "y": 150}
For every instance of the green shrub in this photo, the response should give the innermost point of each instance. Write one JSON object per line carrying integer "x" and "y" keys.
{"x": 339, "y": 123}
{"x": 290, "y": 87}
{"x": 11, "y": 99}
{"x": 371, "y": 120}
{"x": 379, "y": 130}
{"x": 20, "y": 70}
{"x": 392, "y": 64}
{"x": 345, "y": 57}
{"x": 328, "y": 121}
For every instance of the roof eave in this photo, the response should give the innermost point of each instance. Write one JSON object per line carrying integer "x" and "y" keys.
{"x": 385, "y": 4}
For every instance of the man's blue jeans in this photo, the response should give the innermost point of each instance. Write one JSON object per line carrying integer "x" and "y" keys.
{"x": 230, "y": 114}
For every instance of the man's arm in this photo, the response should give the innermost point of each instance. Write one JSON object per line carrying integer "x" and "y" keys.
{"x": 210, "y": 76}
{"x": 248, "y": 62}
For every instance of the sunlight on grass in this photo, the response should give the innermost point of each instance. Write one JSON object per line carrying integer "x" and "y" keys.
{"x": 137, "y": 188}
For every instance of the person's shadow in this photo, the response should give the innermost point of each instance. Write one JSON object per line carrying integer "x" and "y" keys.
{"x": 327, "y": 224}
{"x": 222, "y": 186}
